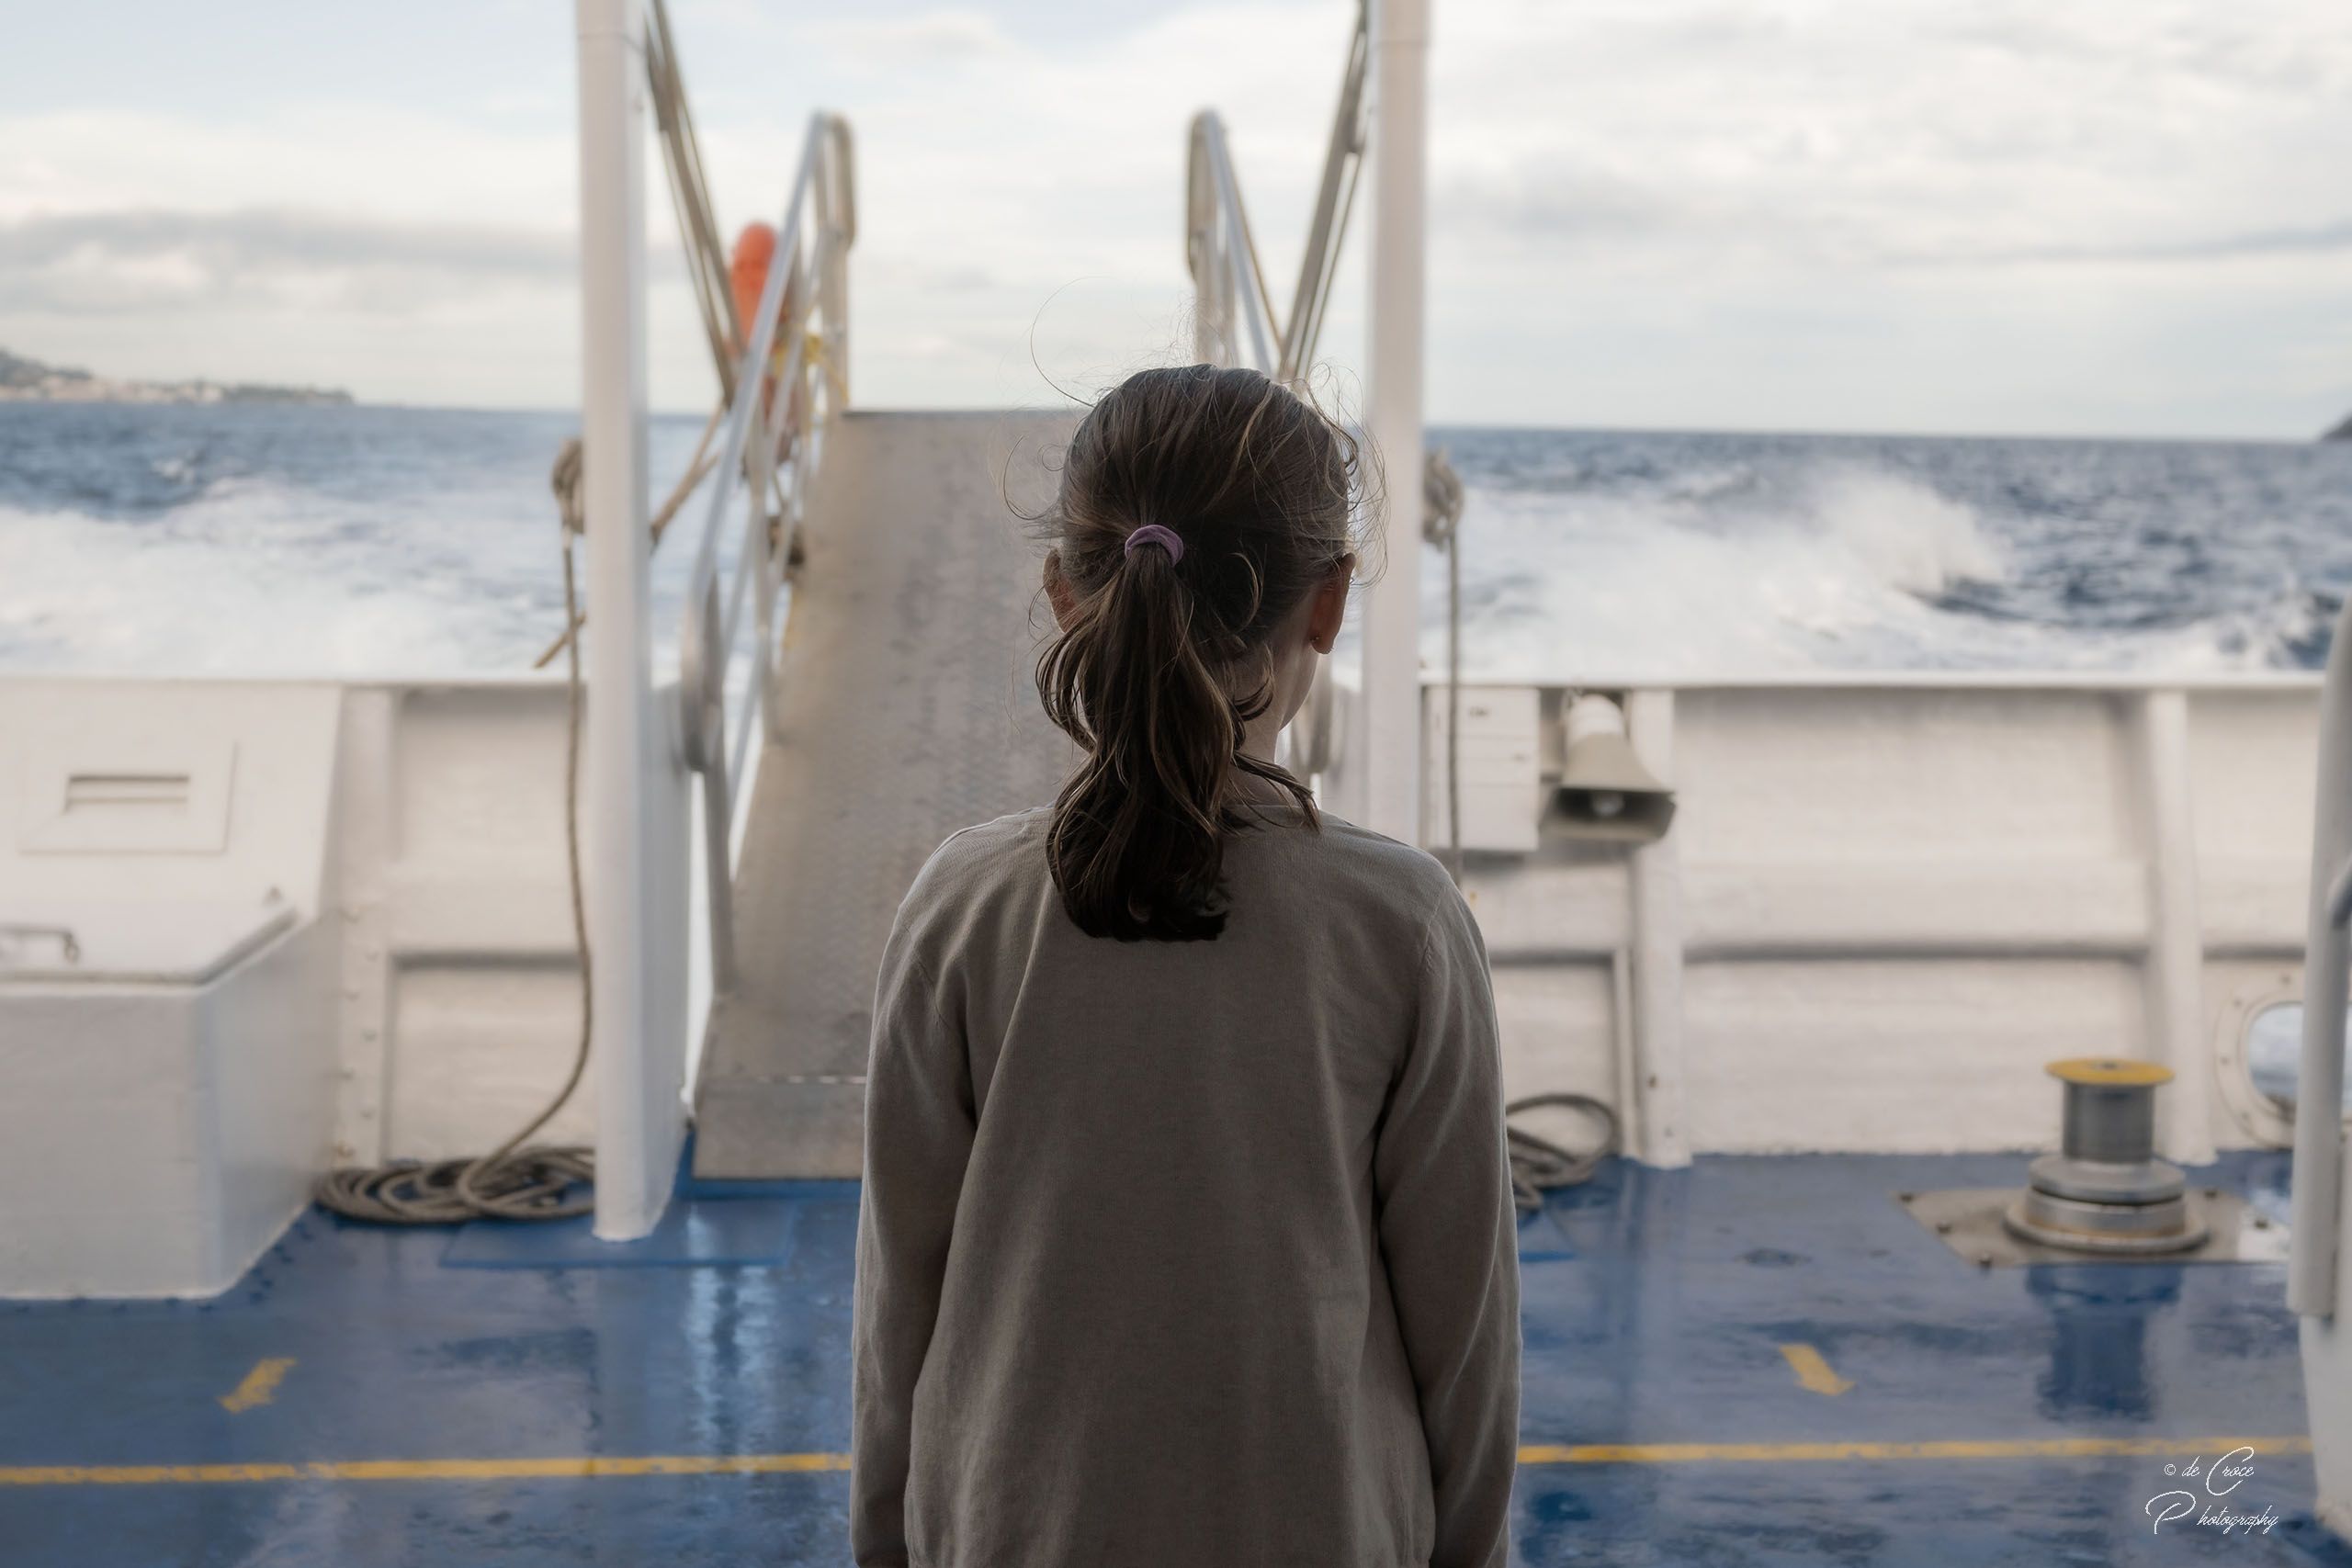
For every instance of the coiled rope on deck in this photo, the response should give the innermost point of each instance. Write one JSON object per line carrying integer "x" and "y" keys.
{"x": 518, "y": 1180}
{"x": 1538, "y": 1165}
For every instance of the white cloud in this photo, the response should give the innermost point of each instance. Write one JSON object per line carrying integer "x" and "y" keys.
{"x": 890, "y": 43}
{"x": 154, "y": 260}
{"x": 2012, "y": 214}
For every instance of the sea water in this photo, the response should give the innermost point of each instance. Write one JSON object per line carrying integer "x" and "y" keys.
{"x": 345, "y": 541}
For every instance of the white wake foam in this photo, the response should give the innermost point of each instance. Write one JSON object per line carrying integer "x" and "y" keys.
{"x": 257, "y": 576}
{"x": 1709, "y": 574}
{"x": 1712, "y": 568}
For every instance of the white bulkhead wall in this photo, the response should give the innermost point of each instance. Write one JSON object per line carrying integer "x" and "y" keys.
{"x": 1892, "y": 901}
{"x": 1885, "y": 904}
{"x": 460, "y": 977}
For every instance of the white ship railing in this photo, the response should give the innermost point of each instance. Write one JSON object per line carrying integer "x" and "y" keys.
{"x": 776, "y": 440}
{"x": 1232, "y": 309}
{"x": 1229, "y": 286}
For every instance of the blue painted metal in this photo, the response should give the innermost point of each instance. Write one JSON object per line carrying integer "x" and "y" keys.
{"x": 1655, "y": 1306}
{"x": 695, "y": 1234}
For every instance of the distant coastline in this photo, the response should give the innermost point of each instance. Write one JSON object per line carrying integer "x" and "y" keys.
{"x": 25, "y": 381}
{"x": 2342, "y": 432}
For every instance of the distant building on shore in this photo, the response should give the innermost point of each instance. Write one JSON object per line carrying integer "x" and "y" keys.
{"x": 25, "y": 381}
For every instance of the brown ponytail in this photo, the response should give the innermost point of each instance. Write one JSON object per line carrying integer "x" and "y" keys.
{"x": 1162, "y": 663}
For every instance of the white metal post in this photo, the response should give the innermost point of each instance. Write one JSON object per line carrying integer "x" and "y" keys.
{"x": 1385, "y": 762}
{"x": 622, "y": 728}
{"x": 1660, "y": 1079}
{"x": 2320, "y": 1257}
{"x": 2176, "y": 972}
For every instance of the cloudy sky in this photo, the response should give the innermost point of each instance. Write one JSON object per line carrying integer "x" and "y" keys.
{"x": 2038, "y": 216}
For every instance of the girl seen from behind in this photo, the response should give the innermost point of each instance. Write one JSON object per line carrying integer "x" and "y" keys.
{"x": 1187, "y": 1238}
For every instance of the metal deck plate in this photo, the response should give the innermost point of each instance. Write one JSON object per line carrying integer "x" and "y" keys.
{"x": 907, "y": 710}
{"x": 1968, "y": 1220}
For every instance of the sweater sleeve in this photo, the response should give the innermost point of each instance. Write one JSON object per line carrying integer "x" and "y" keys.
{"x": 1450, "y": 1233}
{"x": 918, "y": 1128}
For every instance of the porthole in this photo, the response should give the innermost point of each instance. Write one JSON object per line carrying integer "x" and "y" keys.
{"x": 2274, "y": 1055}
{"x": 2258, "y": 1060}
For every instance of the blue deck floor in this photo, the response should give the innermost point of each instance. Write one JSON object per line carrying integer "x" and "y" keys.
{"x": 1725, "y": 1365}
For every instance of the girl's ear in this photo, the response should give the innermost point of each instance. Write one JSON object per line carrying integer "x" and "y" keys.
{"x": 1330, "y": 607}
{"x": 1057, "y": 589}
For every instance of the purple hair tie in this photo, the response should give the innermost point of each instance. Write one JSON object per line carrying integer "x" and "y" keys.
{"x": 1153, "y": 534}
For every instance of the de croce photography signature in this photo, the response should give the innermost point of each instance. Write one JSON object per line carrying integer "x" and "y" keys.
{"x": 2204, "y": 1496}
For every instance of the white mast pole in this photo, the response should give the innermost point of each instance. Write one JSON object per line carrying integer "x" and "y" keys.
{"x": 621, "y": 728}
{"x": 1386, "y": 747}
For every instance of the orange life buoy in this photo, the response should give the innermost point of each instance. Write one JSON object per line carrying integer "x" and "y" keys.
{"x": 747, "y": 272}
{"x": 747, "y": 268}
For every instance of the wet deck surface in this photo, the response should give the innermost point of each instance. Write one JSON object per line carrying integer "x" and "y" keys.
{"x": 1728, "y": 1365}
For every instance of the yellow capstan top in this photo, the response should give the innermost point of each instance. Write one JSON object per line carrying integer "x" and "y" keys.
{"x": 2114, "y": 1072}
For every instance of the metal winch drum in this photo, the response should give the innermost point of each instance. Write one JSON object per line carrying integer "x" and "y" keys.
{"x": 2106, "y": 1192}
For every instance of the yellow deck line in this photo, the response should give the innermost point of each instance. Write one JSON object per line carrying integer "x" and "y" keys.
{"x": 591, "y": 1467}
{"x": 581, "y": 1467}
{"x": 1963, "y": 1448}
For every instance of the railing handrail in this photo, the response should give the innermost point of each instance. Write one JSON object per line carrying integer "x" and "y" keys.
{"x": 806, "y": 278}
{"x": 1335, "y": 198}
{"x": 1222, "y": 255}
{"x": 755, "y": 353}
{"x": 1223, "y": 260}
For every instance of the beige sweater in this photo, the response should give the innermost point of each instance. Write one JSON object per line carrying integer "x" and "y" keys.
{"x": 1189, "y": 1254}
